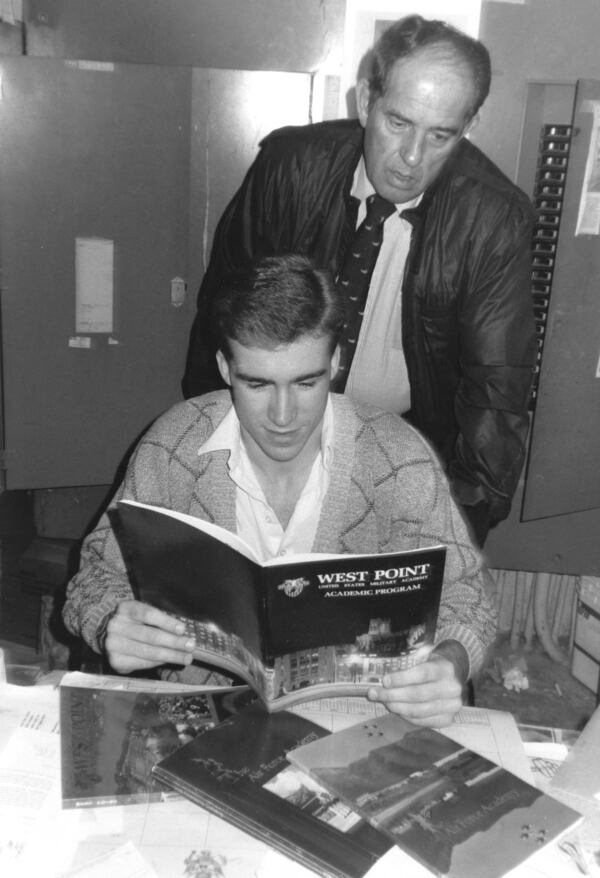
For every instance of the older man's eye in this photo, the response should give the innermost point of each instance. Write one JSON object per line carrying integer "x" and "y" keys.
{"x": 440, "y": 137}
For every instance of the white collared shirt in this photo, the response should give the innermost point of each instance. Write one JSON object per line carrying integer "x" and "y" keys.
{"x": 378, "y": 373}
{"x": 256, "y": 521}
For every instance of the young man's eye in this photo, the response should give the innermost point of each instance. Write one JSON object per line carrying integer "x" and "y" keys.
{"x": 310, "y": 383}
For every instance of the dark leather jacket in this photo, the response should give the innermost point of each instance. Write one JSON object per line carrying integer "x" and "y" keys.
{"x": 467, "y": 321}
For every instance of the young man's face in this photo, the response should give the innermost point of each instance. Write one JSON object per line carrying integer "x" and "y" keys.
{"x": 413, "y": 127}
{"x": 280, "y": 396}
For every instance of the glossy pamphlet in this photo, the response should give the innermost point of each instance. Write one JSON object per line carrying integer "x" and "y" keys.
{"x": 448, "y": 807}
{"x": 239, "y": 771}
{"x": 296, "y": 627}
{"x": 112, "y": 737}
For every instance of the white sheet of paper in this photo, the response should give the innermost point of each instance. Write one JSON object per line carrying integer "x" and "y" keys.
{"x": 94, "y": 285}
{"x": 28, "y": 707}
{"x": 124, "y": 861}
{"x": 493, "y": 734}
{"x": 29, "y": 791}
{"x": 335, "y": 714}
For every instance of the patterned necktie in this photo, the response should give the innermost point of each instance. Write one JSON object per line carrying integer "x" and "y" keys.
{"x": 355, "y": 277}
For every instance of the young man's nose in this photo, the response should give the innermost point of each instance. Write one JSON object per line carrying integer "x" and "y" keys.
{"x": 283, "y": 407}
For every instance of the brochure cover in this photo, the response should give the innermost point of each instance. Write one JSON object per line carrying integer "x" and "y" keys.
{"x": 111, "y": 738}
{"x": 239, "y": 771}
{"x": 448, "y": 807}
{"x": 294, "y": 628}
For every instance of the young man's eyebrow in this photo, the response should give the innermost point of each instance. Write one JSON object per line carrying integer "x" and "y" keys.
{"x": 244, "y": 376}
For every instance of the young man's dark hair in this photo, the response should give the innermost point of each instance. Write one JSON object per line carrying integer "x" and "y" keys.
{"x": 410, "y": 35}
{"x": 274, "y": 302}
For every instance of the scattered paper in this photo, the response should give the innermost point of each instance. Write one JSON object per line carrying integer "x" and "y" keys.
{"x": 493, "y": 734}
{"x": 30, "y": 789}
{"x": 577, "y": 781}
{"x": 123, "y": 862}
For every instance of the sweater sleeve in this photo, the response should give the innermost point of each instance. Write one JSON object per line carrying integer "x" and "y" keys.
{"x": 163, "y": 472}
{"x": 101, "y": 582}
{"x": 467, "y": 609}
{"x": 422, "y": 496}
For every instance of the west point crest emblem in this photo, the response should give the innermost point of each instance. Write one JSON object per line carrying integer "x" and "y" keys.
{"x": 293, "y": 587}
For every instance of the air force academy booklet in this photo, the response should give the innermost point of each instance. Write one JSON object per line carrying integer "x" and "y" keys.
{"x": 295, "y": 628}
{"x": 239, "y": 771}
{"x": 456, "y": 812}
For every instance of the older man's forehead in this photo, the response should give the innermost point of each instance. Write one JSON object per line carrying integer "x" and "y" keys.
{"x": 443, "y": 59}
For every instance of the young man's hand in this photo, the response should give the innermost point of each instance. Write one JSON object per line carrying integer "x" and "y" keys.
{"x": 429, "y": 694}
{"x": 139, "y": 637}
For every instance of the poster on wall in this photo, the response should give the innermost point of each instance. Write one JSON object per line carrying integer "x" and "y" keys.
{"x": 367, "y": 19}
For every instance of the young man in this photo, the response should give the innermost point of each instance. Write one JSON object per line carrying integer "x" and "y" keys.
{"x": 448, "y": 336}
{"x": 291, "y": 468}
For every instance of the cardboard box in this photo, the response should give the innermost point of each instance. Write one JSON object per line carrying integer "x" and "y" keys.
{"x": 585, "y": 658}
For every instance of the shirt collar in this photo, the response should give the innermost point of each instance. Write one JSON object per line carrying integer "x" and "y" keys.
{"x": 228, "y": 437}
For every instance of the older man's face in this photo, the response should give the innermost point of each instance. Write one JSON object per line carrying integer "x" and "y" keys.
{"x": 412, "y": 129}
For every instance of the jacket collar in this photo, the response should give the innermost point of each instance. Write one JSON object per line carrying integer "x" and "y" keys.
{"x": 416, "y": 216}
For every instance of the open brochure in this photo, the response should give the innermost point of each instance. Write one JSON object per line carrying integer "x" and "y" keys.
{"x": 295, "y": 628}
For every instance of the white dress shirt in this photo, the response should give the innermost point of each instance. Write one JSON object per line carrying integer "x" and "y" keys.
{"x": 378, "y": 373}
{"x": 256, "y": 521}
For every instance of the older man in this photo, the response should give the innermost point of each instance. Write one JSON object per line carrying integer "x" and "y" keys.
{"x": 446, "y": 335}
{"x": 291, "y": 467}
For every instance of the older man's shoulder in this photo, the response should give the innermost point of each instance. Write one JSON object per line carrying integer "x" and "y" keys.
{"x": 480, "y": 171}
{"x": 330, "y": 135}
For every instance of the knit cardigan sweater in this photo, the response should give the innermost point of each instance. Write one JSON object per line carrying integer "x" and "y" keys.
{"x": 387, "y": 492}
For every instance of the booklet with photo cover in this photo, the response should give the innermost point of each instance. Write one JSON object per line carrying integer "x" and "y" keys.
{"x": 295, "y": 628}
{"x": 239, "y": 771}
{"x": 448, "y": 807}
{"x": 112, "y": 735}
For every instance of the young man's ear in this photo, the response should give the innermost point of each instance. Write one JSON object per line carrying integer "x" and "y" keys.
{"x": 223, "y": 367}
{"x": 335, "y": 362}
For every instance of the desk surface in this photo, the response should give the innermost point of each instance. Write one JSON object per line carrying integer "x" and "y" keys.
{"x": 174, "y": 839}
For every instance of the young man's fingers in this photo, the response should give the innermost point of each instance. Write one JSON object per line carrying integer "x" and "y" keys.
{"x": 148, "y": 615}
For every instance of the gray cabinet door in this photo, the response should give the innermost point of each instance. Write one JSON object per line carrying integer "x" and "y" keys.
{"x": 136, "y": 162}
{"x": 563, "y": 472}
{"x": 101, "y": 153}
